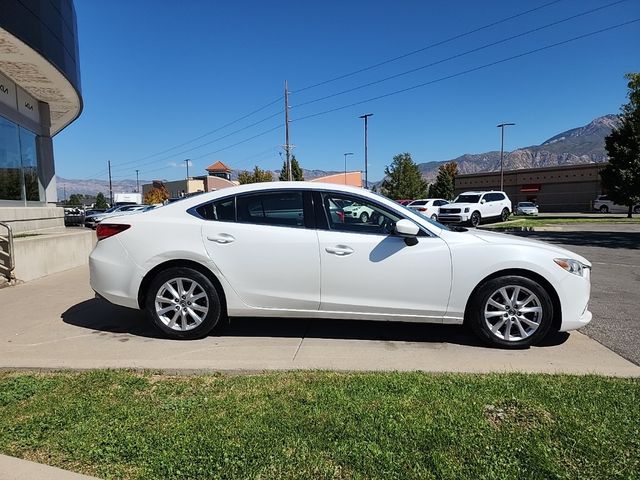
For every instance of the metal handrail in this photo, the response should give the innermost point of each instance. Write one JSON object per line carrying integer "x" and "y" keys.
{"x": 9, "y": 254}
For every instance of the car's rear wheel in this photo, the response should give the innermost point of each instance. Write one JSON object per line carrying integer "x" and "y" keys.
{"x": 510, "y": 312}
{"x": 475, "y": 219}
{"x": 364, "y": 217}
{"x": 636, "y": 209}
{"x": 604, "y": 209}
{"x": 434, "y": 217}
{"x": 183, "y": 303}
{"x": 504, "y": 216}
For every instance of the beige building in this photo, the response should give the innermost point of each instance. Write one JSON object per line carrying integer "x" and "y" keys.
{"x": 570, "y": 188}
{"x": 218, "y": 177}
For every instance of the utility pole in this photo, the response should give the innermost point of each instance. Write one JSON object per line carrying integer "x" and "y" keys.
{"x": 137, "y": 182}
{"x": 110, "y": 186}
{"x": 187, "y": 164}
{"x": 287, "y": 147}
{"x": 64, "y": 189}
{"x": 345, "y": 166}
{"x": 501, "y": 126}
{"x": 366, "y": 157}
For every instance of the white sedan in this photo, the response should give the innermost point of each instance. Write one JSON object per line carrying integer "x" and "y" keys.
{"x": 276, "y": 250}
{"x": 429, "y": 207}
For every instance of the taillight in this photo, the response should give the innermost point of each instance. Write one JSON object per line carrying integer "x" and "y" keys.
{"x": 106, "y": 230}
{"x": 421, "y": 209}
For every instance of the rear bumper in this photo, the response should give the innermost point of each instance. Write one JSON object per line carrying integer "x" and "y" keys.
{"x": 113, "y": 274}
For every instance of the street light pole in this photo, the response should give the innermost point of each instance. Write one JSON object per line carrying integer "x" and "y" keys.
{"x": 137, "y": 182}
{"x": 187, "y": 164}
{"x": 345, "y": 166}
{"x": 366, "y": 157}
{"x": 501, "y": 127}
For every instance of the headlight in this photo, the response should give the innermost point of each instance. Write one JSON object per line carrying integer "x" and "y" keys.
{"x": 571, "y": 265}
{"x": 466, "y": 210}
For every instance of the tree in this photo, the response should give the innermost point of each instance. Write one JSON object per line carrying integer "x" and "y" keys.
{"x": 403, "y": 179}
{"x": 157, "y": 194}
{"x": 101, "y": 202}
{"x": 444, "y": 186}
{"x": 75, "y": 200}
{"x": 258, "y": 175}
{"x": 621, "y": 177}
{"x": 296, "y": 171}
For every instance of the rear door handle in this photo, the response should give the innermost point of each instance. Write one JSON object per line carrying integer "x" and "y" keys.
{"x": 340, "y": 250}
{"x": 221, "y": 238}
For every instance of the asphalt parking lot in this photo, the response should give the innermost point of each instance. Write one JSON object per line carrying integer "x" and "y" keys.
{"x": 614, "y": 251}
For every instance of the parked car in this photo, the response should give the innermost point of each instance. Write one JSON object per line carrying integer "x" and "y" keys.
{"x": 93, "y": 220}
{"x": 603, "y": 204}
{"x": 429, "y": 207}
{"x": 241, "y": 252}
{"x": 356, "y": 210}
{"x": 526, "y": 208}
{"x": 73, "y": 216}
{"x": 474, "y": 207}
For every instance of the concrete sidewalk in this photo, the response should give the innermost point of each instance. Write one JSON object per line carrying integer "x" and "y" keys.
{"x": 54, "y": 323}
{"x": 16, "y": 469}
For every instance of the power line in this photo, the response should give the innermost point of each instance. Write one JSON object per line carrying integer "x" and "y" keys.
{"x": 233, "y": 122}
{"x": 474, "y": 50}
{"x": 470, "y": 70}
{"x": 427, "y": 47}
{"x": 204, "y": 144}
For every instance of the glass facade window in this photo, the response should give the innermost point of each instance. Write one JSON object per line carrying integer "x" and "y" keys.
{"x": 18, "y": 163}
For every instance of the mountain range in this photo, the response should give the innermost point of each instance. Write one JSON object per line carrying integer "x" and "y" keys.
{"x": 576, "y": 146}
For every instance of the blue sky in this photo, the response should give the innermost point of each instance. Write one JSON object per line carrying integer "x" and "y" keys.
{"x": 157, "y": 74}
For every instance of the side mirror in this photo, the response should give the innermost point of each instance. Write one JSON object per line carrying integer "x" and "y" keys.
{"x": 406, "y": 228}
{"x": 483, "y": 201}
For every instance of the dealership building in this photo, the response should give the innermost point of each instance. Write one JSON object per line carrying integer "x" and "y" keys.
{"x": 569, "y": 188}
{"x": 40, "y": 95}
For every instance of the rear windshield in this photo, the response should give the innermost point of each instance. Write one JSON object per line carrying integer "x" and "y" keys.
{"x": 467, "y": 199}
{"x": 418, "y": 202}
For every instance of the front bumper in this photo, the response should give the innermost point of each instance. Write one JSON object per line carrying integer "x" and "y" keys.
{"x": 453, "y": 218}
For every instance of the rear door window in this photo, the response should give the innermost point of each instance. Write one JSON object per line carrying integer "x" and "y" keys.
{"x": 281, "y": 208}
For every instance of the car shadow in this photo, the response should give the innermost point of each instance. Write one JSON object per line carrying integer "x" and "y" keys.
{"x": 101, "y": 316}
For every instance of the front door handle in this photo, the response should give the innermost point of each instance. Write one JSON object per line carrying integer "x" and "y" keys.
{"x": 221, "y": 238}
{"x": 340, "y": 250}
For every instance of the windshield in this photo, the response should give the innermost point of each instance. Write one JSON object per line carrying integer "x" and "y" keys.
{"x": 467, "y": 199}
{"x": 526, "y": 204}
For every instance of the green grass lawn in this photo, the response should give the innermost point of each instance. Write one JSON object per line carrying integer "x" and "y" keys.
{"x": 117, "y": 424}
{"x": 517, "y": 222}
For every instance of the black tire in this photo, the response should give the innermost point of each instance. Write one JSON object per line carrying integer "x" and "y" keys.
{"x": 475, "y": 219}
{"x": 604, "y": 209}
{"x": 475, "y": 313}
{"x": 636, "y": 209}
{"x": 212, "y": 316}
{"x": 504, "y": 216}
{"x": 434, "y": 217}
{"x": 364, "y": 217}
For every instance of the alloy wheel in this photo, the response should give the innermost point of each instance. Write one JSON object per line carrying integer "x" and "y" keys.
{"x": 513, "y": 313}
{"x": 475, "y": 219}
{"x": 181, "y": 304}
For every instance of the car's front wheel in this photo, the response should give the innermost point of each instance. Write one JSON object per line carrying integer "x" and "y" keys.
{"x": 364, "y": 217}
{"x": 636, "y": 209}
{"x": 504, "y": 216}
{"x": 475, "y": 219}
{"x": 183, "y": 303}
{"x": 604, "y": 209}
{"x": 510, "y": 312}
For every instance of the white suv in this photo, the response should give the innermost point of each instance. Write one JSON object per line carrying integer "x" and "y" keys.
{"x": 604, "y": 205}
{"x": 474, "y": 207}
